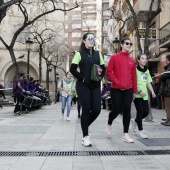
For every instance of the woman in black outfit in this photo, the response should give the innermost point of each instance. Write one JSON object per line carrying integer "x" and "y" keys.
{"x": 88, "y": 91}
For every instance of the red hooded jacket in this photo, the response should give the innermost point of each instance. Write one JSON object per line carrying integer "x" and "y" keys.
{"x": 121, "y": 71}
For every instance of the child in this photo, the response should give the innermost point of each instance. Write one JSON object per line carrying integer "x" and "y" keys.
{"x": 141, "y": 99}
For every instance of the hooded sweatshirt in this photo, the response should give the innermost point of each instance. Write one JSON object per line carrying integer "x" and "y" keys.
{"x": 121, "y": 71}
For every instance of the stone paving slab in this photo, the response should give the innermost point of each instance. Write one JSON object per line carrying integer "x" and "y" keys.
{"x": 46, "y": 130}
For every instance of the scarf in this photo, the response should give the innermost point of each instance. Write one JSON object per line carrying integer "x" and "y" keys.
{"x": 68, "y": 81}
{"x": 142, "y": 69}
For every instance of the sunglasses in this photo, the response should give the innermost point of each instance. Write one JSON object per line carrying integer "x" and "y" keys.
{"x": 127, "y": 43}
{"x": 91, "y": 39}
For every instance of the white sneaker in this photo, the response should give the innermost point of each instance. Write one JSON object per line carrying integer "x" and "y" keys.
{"x": 126, "y": 138}
{"x": 108, "y": 129}
{"x": 142, "y": 135}
{"x": 67, "y": 119}
{"x": 62, "y": 115}
{"x": 86, "y": 141}
{"x": 134, "y": 125}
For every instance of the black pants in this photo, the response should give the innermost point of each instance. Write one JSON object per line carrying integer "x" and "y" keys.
{"x": 90, "y": 100}
{"x": 142, "y": 108}
{"x": 2, "y": 94}
{"x": 20, "y": 99}
{"x": 104, "y": 103}
{"x": 78, "y": 106}
{"x": 121, "y": 102}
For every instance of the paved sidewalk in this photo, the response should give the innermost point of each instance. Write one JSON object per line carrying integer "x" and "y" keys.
{"x": 46, "y": 130}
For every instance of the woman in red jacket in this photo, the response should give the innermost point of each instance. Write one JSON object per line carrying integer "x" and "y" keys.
{"x": 121, "y": 71}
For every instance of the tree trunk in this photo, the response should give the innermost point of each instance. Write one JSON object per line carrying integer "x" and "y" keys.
{"x": 47, "y": 77}
{"x": 11, "y": 51}
{"x": 40, "y": 62}
{"x": 55, "y": 80}
{"x": 135, "y": 21}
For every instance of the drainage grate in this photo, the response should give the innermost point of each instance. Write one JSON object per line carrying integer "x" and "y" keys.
{"x": 82, "y": 153}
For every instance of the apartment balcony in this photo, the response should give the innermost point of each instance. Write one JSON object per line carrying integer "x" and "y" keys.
{"x": 85, "y": 11}
{"x": 130, "y": 24}
{"x": 118, "y": 15}
{"x": 89, "y": 28}
{"x": 107, "y": 13}
{"x": 89, "y": 2}
{"x": 141, "y": 7}
{"x": 165, "y": 36}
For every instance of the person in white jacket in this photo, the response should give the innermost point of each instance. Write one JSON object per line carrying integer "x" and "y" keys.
{"x": 67, "y": 87}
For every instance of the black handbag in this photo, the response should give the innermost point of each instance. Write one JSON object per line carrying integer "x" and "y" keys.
{"x": 96, "y": 71}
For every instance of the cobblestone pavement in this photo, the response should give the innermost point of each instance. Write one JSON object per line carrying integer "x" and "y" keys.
{"x": 30, "y": 139}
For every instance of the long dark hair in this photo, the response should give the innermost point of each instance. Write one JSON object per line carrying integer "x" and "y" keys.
{"x": 82, "y": 46}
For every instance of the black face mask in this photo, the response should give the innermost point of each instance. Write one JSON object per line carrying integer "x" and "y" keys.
{"x": 142, "y": 69}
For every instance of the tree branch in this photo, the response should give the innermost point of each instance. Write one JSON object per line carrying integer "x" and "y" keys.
{"x": 8, "y": 4}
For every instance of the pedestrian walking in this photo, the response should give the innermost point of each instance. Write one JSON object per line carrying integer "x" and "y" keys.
{"x": 78, "y": 105}
{"x": 141, "y": 99}
{"x": 88, "y": 90}
{"x": 158, "y": 96}
{"x": 2, "y": 92}
{"x": 67, "y": 87}
{"x": 104, "y": 93}
{"x": 165, "y": 91}
{"x": 121, "y": 71}
{"x": 58, "y": 96}
{"x": 18, "y": 94}
{"x": 14, "y": 89}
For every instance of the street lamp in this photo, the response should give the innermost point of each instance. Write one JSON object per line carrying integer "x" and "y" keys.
{"x": 116, "y": 45}
{"x": 28, "y": 43}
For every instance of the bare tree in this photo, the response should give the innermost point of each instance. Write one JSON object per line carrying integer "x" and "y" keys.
{"x": 149, "y": 17}
{"x": 42, "y": 37}
{"x": 117, "y": 15}
{"x": 45, "y": 7}
{"x": 55, "y": 55}
{"x": 5, "y": 5}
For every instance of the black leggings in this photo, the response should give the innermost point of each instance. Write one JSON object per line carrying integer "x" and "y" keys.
{"x": 142, "y": 108}
{"x": 121, "y": 102}
{"x": 78, "y": 106}
{"x": 90, "y": 100}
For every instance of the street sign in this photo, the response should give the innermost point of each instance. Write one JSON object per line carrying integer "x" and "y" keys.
{"x": 152, "y": 33}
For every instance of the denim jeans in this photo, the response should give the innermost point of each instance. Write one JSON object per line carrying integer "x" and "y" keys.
{"x": 158, "y": 101}
{"x": 68, "y": 101}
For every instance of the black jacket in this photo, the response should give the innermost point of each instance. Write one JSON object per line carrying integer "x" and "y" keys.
{"x": 165, "y": 78}
{"x": 85, "y": 66}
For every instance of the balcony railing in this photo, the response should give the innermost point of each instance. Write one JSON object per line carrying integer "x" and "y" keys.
{"x": 130, "y": 24}
{"x": 143, "y": 6}
{"x": 89, "y": 1}
{"x": 165, "y": 36}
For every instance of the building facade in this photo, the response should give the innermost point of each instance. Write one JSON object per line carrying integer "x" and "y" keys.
{"x": 159, "y": 45}
{"x": 91, "y": 16}
{"x": 10, "y": 24}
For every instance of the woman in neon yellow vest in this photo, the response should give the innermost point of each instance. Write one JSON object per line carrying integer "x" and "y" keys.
{"x": 67, "y": 87}
{"x": 141, "y": 99}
